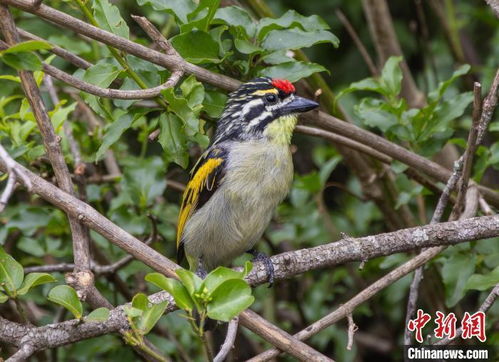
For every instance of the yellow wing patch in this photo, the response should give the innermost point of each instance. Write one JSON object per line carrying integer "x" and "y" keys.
{"x": 262, "y": 92}
{"x": 191, "y": 193}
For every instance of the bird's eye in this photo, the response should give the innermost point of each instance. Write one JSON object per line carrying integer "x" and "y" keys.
{"x": 271, "y": 98}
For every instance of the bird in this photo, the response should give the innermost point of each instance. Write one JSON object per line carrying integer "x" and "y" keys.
{"x": 244, "y": 174}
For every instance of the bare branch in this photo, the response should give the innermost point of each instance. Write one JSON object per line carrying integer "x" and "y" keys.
{"x": 63, "y": 53}
{"x": 330, "y": 136}
{"x": 352, "y": 328}
{"x": 386, "y": 44}
{"x": 282, "y": 340}
{"x": 489, "y": 105}
{"x": 107, "y": 92}
{"x": 229, "y": 340}
{"x": 358, "y": 43}
{"x": 467, "y": 158}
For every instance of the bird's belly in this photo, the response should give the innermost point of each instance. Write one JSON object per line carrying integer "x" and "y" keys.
{"x": 236, "y": 216}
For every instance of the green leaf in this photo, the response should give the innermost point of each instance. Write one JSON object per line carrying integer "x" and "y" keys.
{"x": 109, "y": 18}
{"x": 235, "y": 16}
{"x": 193, "y": 91}
{"x": 296, "y": 39}
{"x": 246, "y": 47}
{"x": 22, "y": 61}
{"x": 33, "y": 279}
{"x": 3, "y": 298}
{"x": 60, "y": 114}
{"x": 292, "y": 71}
{"x": 27, "y": 46}
{"x": 173, "y": 139}
{"x": 113, "y": 134}
{"x": 291, "y": 19}
{"x": 66, "y": 296}
{"x": 11, "y": 272}
{"x": 174, "y": 287}
{"x": 391, "y": 75}
{"x": 140, "y": 301}
{"x": 196, "y": 47}
{"x": 220, "y": 275}
{"x": 101, "y": 74}
{"x": 229, "y": 299}
{"x": 435, "y": 95}
{"x": 214, "y": 103}
{"x": 456, "y": 271}
{"x": 151, "y": 316}
{"x": 485, "y": 281}
{"x": 98, "y": 315}
{"x": 202, "y": 16}
{"x": 190, "y": 280}
{"x": 132, "y": 312}
{"x": 179, "y": 8}
{"x": 374, "y": 113}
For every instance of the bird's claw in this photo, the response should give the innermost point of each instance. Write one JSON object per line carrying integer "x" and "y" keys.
{"x": 267, "y": 262}
{"x": 200, "y": 270}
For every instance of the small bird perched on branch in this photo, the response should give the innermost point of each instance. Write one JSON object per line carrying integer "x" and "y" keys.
{"x": 241, "y": 178}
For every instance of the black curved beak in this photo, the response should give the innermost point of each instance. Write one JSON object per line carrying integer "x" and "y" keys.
{"x": 299, "y": 105}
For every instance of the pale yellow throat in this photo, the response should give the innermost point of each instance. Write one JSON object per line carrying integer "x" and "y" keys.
{"x": 281, "y": 130}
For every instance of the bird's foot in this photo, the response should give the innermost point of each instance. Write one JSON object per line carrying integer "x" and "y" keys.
{"x": 200, "y": 270}
{"x": 267, "y": 262}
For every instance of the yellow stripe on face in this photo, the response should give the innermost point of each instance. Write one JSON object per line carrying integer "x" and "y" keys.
{"x": 262, "y": 92}
{"x": 191, "y": 193}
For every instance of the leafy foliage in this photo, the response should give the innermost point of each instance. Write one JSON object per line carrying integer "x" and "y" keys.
{"x": 132, "y": 177}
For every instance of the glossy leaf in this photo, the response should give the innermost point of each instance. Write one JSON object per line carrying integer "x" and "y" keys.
{"x": 33, "y": 279}
{"x": 22, "y": 61}
{"x": 291, "y": 19}
{"x": 98, "y": 315}
{"x": 179, "y": 8}
{"x": 237, "y": 17}
{"x": 292, "y": 71}
{"x": 296, "y": 39}
{"x": 174, "y": 287}
{"x": 151, "y": 316}
{"x": 11, "y": 272}
{"x": 196, "y": 47}
{"x": 391, "y": 75}
{"x": 109, "y": 18}
{"x": 190, "y": 280}
{"x": 140, "y": 301}
{"x": 27, "y": 46}
{"x": 229, "y": 299}
{"x": 66, "y": 296}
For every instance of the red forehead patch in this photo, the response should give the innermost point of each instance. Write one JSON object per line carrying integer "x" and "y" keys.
{"x": 285, "y": 85}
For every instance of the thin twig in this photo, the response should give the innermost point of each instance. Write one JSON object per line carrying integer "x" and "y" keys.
{"x": 279, "y": 338}
{"x": 358, "y": 43}
{"x": 107, "y": 92}
{"x": 73, "y": 145}
{"x": 460, "y": 176}
{"x": 352, "y": 328}
{"x": 469, "y": 153}
{"x": 63, "y": 53}
{"x": 229, "y": 340}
